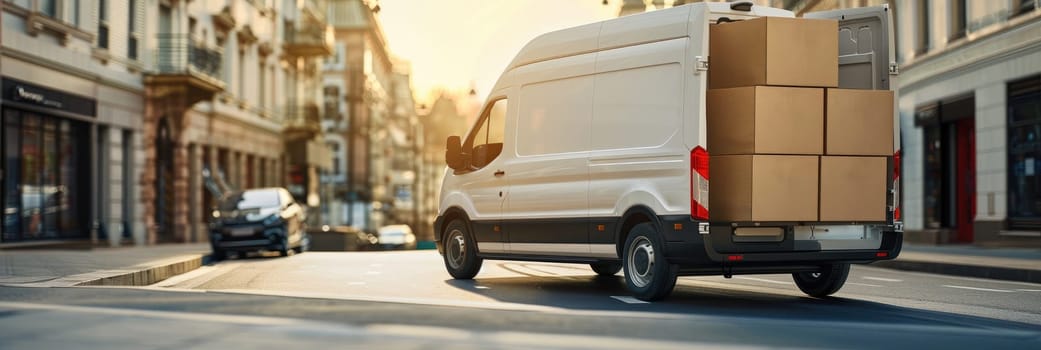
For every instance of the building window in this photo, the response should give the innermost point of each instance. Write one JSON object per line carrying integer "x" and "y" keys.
{"x": 922, "y": 32}
{"x": 1024, "y": 153}
{"x": 332, "y": 102}
{"x": 132, "y": 39}
{"x": 958, "y": 19}
{"x": 1020, "y": 7}
{"x": 103, "y": 24}
{"x": 49, "y": 8}
{"x": 334, "y": 148}
{"x": 242, "y": 74}
{"x": 43, "y": 185}
{"x": 261, "y": 86}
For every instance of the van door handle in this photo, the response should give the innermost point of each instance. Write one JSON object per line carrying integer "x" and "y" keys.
{"x": 500, "y": 173}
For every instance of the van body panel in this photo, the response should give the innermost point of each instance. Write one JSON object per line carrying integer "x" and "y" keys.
{"x": 561, "y": 43}
{"x": 649, "y": 27}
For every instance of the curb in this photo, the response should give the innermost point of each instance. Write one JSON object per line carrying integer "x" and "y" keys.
{"x": 963, "y": 270}
{"x": 150, "y": 274}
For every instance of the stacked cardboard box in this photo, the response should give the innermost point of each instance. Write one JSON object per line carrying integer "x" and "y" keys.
{"x": 785, "y": 143}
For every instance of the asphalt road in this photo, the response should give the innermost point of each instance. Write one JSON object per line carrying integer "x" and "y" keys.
{"x": 407, "y": 300}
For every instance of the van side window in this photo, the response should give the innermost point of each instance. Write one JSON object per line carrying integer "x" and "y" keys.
{"x": 487, "y": 139}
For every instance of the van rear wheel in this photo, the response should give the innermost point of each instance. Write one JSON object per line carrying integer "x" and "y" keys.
{"x": 829, "y": 280}
{"x": 647, "y": 273}
{"x": 460, "y": 256}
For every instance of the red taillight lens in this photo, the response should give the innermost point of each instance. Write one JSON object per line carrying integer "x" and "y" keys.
{"x": 699, "y": 183}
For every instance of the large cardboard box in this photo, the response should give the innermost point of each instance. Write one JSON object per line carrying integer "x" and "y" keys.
{"x": 763, "y": 188}
{"x": 765, "y": 120}
{"x": 774, "y": 51}
{"x": 853, "y": 188}
{"x": 859, "y": 122}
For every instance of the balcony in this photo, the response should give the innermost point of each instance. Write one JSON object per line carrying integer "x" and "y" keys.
{"x": 302, "y": 118}
{"x": 309, "y": 40}
{"x": 182, "y": 63}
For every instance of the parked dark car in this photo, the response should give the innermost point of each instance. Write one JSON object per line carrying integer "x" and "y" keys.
{"x": 258, "y": 220}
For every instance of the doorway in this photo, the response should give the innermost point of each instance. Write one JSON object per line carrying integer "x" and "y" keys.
{"x": 949, "y": 130}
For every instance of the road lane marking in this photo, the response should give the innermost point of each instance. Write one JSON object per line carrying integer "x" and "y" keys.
{"x": 763, "y": 280}
{"x": 862, "y": 284}
{"x": 1028, "y": 290}
{"x": 629, "y": 300}
{"x": 980, "y": 289}
{"x": 882, "y": 279}
{"x": 482, "y": 287}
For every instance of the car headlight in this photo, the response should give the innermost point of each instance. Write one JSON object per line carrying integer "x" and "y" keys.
{"x": 272, "y": 220}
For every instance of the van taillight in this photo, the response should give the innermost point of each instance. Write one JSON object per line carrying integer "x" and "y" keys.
{"x": 896, "y": 186}
{"x": 699, "y": 184}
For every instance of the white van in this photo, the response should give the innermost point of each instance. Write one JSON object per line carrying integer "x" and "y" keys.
{"x": 591, "y": 149}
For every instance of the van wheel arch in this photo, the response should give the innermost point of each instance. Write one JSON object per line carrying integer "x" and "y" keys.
{"x": 632, "y": 217}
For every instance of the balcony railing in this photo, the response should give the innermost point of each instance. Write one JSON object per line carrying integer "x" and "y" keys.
{"x": 309, "y": 40}
{"x": 179, "y": 54}
{"x": 302, "y": 116}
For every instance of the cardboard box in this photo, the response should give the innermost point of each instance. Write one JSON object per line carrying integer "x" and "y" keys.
{"x": 763, "y": 188}
{"x": 765, "y": 120}
{"x": 774, "y": 51}
{"x": 859, "y": 122}
{"x": 853, "y": 189}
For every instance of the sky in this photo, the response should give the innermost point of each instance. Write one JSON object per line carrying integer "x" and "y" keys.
{"x": 458, "y": 44}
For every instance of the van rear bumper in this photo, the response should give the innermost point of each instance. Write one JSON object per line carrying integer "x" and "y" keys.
{"x": 688, "y": 247}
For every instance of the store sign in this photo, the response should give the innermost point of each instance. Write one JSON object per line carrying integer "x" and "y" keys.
{"x": 30, "y": 94}
{"x": 23, "y": 94}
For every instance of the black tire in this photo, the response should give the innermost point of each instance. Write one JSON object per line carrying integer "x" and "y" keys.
{"x": 606, "y": 268}
{"x": 219, "y": 255}
{"x": 460, "y": 256}
{"x": 284, "y": 251}
{"x": 649, "y": 276}
{"x": 829, "y": 280}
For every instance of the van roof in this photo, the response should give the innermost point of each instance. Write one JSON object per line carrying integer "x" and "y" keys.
{"x": 624, "y": 31}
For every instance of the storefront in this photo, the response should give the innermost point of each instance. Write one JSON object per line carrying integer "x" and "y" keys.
{"x": 46, "y": 166}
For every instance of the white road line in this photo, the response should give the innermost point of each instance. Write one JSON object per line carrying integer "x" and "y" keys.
{"x": 882, "y": 279}
{"x": 1028, "y": 290}
{"x": 629, "y": 300}
{"x": 763, "y": 280}
{"x": 482, "y": 287}
{"x": 980, "y": 289}
{"x": 862, "y": 284}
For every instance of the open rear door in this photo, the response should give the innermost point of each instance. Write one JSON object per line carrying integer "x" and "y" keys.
{"x": 866, "y": 61}
{"x": 864, "y": 46}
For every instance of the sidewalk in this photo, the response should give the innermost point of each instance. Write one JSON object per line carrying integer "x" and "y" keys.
{"x": 127, "y": 266}
{"x": 1010, "y": 264}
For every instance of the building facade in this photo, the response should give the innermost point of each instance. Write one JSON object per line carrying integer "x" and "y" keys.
{"x": 359, "y": 86}
{"x": 72, "y": 125}
{"x": 970, "y": 110}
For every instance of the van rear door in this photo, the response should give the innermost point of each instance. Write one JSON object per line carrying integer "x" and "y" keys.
{"x": 864, "y": 46}
{"x": 866, "y": 61}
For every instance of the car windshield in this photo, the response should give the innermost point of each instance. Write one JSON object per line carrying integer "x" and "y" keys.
{"x": 250, "y": 200}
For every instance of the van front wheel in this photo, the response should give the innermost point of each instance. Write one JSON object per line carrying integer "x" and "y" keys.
{"x": 460, "y": 251}
{"x": 824, "y": 283}
{"x": 647, "y": 273}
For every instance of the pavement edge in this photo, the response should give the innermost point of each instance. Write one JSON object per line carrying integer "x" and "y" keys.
{"x": 963, "y": 270}
{"x": 150, "y": 274}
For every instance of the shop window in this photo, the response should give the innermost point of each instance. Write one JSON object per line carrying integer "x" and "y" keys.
{"x": 1024, "y": 153}
{"x": 958, "y": 19}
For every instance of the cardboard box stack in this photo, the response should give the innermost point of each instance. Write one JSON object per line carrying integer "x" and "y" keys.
{"x": 785, "y": 143}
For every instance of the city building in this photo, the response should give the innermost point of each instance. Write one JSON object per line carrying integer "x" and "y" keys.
{"x": 231, "y": 103}
{"x": 359, "y": 86}
{"x": 970, "y": 110}
{"x": 73, "y": 107}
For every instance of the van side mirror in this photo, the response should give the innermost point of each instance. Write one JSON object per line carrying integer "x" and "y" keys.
{"x": 454, "y": 153}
